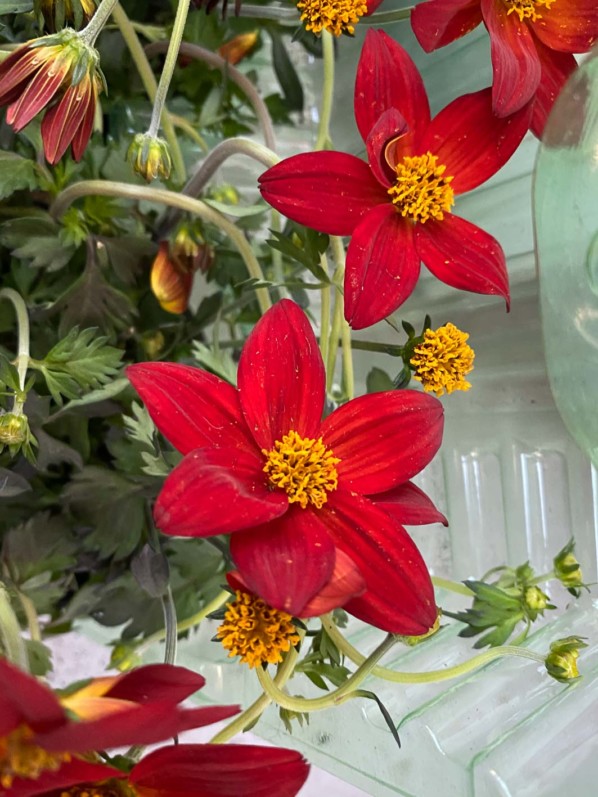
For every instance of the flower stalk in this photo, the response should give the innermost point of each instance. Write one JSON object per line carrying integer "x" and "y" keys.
{"x": 13, "y": 646}
{"x": 22, "y": 361}
{"x": 90, "y": 33}
{"x": 323, "y": 140}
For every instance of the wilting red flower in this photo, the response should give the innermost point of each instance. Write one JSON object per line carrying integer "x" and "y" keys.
{"x": 532, "y": 42}
{"x": 335, "y": 16}
{"x": 59, "y": 69}
{"x": 174, "y": 268}
{"x": 205, "y": 770}
{"x": 38, "y": 734}
{"x": 260, "y": 461}
{"x": 397, "y": 208}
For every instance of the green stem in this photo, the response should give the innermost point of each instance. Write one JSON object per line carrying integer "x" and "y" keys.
{"x": 323, "y": 139}
{"x": 13, "y": 646}
{"x": 432, "y": 676}
{"x": 170, "y": 627}
{"x": 325, "y": 311}
{"x": 172, "y": 55}
{"x": 129, "y": 34}
{"x": 383, "y": 348}
{"x": 335, "y": 334}
{"x": 334, "y": 698}
{"x": 386, "y": 17}
{"x": 257, "y": 708}
{"x": 288, "y": 15}
{"x": 22, "y": 361}
{"x": 91, "y": 32}
{"x": 544, "y": 577}
{"x": 452, "y": 586}
{"x": 31, "y": 615}
{"x": 172, "y": 199}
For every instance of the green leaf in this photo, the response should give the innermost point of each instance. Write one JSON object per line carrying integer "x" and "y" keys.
{"x": 218, "y": 361}
{"x": 37, "y": 238}
{"x": 286, "y": 74}
{"x": 12, "y": 484}
{"x": 16, "y": 173}
{"x": 238, "y": 211}
{"x": 304, "y": 247}
{"x": 40, "y": 657}
{"x": 378, "y": 381}
{"x": 16, "y": 6}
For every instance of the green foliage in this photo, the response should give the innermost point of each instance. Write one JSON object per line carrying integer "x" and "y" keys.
{"x": 16, "y": 173}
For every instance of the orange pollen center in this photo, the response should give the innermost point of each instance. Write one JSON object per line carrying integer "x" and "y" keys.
{"x": 21, "y": 759}
{"x": 421, "y": 191}
{"x": 107, "y": 788}
{"x": 335, "y": 16}
{"x": 528, "y": 9}
{"x": 303, "y": 468}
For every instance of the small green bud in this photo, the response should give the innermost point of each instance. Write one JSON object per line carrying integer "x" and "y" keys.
{"x": 567, "y": 569}
{"x": 561, "y": 662}
{"x": 150, "y": 157}
{"x": 14, "y": 429}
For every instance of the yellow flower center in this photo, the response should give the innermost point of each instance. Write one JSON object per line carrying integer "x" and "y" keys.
{"x": 303, "y": 468}
{"x": 256, "y": 632}
{"x": 108, "y": 788}
{"x": 442, "y": 360}
{"x": 20, "y": 759}
{"x": 528, "y": 9}
{"x": 335, "y": 16}
{"x": 421, "y": 191}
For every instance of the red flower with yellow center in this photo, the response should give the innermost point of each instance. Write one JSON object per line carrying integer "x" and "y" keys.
{"x": 298, "y": 494}
{"x": 532, "y": 44}
{"x": 335, "y": 16}
{"x": 397, "y": 207}
{"x": 41, "y": 732}
{"x": 59, "y": 71}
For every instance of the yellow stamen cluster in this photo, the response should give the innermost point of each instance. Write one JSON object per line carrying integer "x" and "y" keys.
{"x": 21, "y": 759}
{"x": 256, "y": 632}
{"x": 106, "y": 789}
{"x": 528, "y": 9}
{"x": 421, "y": 191}
{"x": 335, "y": 16}
{"x": 442, "y": 360}
{"x": 303, "y": 468}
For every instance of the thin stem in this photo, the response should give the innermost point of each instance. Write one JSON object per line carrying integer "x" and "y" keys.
{"x": 348, "y": 372}
{"x": 257, "y": 708}
{"x": 323, "y": 139}
{"x": 213, "y": 59}
{"x": 385, "y": 17}
{"x": 22, "y": 361}
{"x": 335, "y": 333}
{"x": 452, "y": 586}
{"x": 172, "y": 55}
{"x": 383, "y": 348}
{"x": 31, "y": 616}
{"x": 93, "y": 29}
{"x": 187, "y": 127}
{"x": 172, "y": 199}
{"x": 274, "y": 13}
{"x": 544, "y": 577}
{"x": 325, "y": 310}
{"x": 334, "y": 698}
{"x": 432, "y": 676}
{"x": 170, "y": 626}
{"x": 129, "y": 34}
{"x": 13, "y": 646}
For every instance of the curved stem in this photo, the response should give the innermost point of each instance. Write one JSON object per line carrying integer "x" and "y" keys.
{"x": 172, "y": 199}
{"x": 22, "y": 360}
{"x": 31, "y": 615}
{"x": 432, "y": 676}
{"x": 334, "y": 698}
{"x": 246, "y": 86}
{"x": 323, "y": 139}
{"x": 93, "y": 29}
{"x": 13, "y": 646}
{"x": 129, "y": 34}
{"x": 452, "y": 586}
{"x": 257, "y": 708}
{"x": 276, "y": 14}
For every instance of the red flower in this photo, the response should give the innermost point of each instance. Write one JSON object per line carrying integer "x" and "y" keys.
{"x": 532, "y": 43}
{"x": 397, "y": 208}
{"x": 59, "y": 69}
{"x": 290, "y": 488}
{"x": 38, "y": 735}
{"x": 205, "y": 770}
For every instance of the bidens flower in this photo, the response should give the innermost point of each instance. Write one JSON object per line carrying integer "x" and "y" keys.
{"x": 335, "y": 16}
{"x": 60, "y": 71}
{"x": 532, "y": 42}
{"x": 442, "y": 360}
{"x": 398, "y": 208}
{"x": 294, "y": 490}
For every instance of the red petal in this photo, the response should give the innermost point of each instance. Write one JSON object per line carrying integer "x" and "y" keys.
{"x": 213, "y": 770}
{"x": 83, "y": 134}
{"x": 328, "y": 191}
{"x": 70, "y": 774}
{"x": 345, "y": 583}
{"x": 515, "y": 62}
{"x": 372, "y": 6}
{"x": 15, "y": 69}
{"x": 156, "y": 682}
{"x": 388, "y": 127}
{"x": 10, "y": 716}
{"x": 463, "y": 255}
{"x": 400, "y": 595}
{"x": 288, "y": 561}
{"x": 388, "y": 78}
{"x": 36, "y": 96}
{"x": 382, "y": 267}
{"x": 409, "y": 505}
{"x": 281, "y": 376}
{"x": 439, "y": 22}
{"x": 191, "y": 407}
{"x": 570, "y": 26}
{"x": 141, "y": 724}
{"x": 36, "y": 705}
{"x": 557, "y": 68}
{"x": 383, "y": 439}
{"x": 62, "y": 121}
{"x": 471, "y": 141}
{"x": 217, "y": 491}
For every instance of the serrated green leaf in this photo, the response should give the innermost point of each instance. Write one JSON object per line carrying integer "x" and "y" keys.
{"x": 16, "y": 173}
{"x": 36, "y": 238}
{"x": 219, "y": 362}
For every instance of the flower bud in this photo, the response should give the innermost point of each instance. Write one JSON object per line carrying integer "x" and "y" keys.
{"x": 535, "y": 599}
{"x": 150, "y": 157}
{"x": 567, "y": 569}
{"x": 561, "y": 662}
{"x": 238, "y": 47}
{"x": 58, "y": 13}
{"x": 14, "y": 429}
